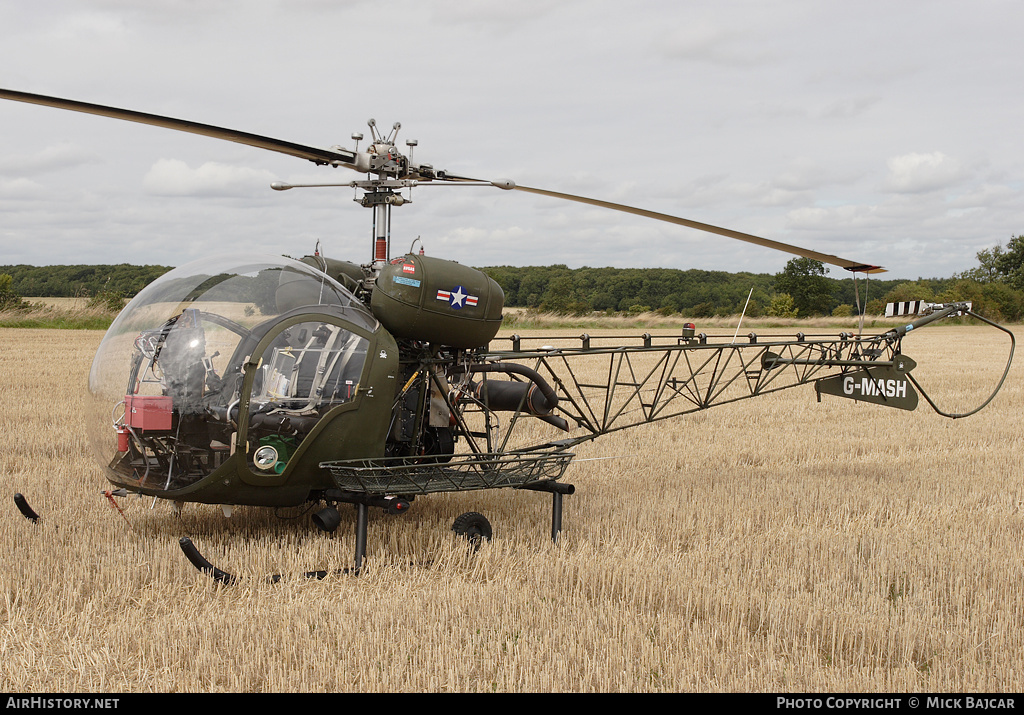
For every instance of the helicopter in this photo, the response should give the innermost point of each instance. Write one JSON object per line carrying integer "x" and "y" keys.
{"x": 277, "y": 382}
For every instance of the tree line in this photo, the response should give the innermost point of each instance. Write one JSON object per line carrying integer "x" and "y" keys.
{"x": 80, "y": 280}
{"x": 802, "y": 289}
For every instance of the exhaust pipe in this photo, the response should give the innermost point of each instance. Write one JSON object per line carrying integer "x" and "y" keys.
{"x": 535, "y": 397}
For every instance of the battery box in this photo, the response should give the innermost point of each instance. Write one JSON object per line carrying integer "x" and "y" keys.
{"x": 148, "y": 412}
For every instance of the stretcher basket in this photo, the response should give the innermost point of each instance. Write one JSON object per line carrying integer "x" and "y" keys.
{"x": 462, "y": 472}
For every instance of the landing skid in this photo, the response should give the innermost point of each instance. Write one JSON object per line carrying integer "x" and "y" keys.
{"x": 200, "y": 562}
{"x": 25, "y": 509}
{"x": 471, "y": 525}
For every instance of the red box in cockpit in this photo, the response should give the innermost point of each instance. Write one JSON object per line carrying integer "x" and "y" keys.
{"x": 147, "y": 412}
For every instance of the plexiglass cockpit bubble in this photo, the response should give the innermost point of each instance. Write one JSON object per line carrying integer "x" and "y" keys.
{"x": 166, "y": 384}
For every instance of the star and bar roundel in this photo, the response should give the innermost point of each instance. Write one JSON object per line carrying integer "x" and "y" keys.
{"x": 457, "y": 298}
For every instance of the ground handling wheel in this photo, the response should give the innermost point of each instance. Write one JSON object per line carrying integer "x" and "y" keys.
{"x": 474, "y": 526}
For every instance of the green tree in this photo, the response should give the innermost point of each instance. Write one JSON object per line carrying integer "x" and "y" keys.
{"x": 987, "y": 271}
{"x": 997, "y": 264}
{"x": 1010, "y": 263}
{"x": 804, "y": 280}
{"x": 9, "y": 300}
{"x": 909, "y": 290}
{"x": 110, "y": 300}
{"x": 781, "y": 306}
{"x": 995, "y": 300}
{"x": 703, "y": 310}
{"x": 558, "y": 294}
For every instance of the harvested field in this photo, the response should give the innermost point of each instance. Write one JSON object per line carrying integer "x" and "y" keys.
{"x": 774, "y": 544}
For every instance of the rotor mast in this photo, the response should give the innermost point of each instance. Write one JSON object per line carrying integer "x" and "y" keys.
{"x": 388, "y": 172}
{"x": 386, "y": 162}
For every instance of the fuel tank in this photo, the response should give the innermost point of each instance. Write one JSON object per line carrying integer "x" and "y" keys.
{"x": 419, "y": 297}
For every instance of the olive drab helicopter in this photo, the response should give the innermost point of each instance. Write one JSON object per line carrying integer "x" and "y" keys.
{"x": 278, "y": 382}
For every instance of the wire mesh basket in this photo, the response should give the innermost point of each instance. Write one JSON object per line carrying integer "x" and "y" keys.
{"x": 462, "y": 472}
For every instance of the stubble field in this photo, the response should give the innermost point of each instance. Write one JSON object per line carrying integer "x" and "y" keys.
{"x": 774, "y": 544}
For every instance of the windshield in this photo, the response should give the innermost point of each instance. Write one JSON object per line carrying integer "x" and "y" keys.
{"x": 170, "y": 367}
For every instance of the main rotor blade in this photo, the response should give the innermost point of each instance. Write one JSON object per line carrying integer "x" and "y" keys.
{"x": 334, "y": 157}
{"x": 346, "y": 158}
{"x": 853, "y": 266}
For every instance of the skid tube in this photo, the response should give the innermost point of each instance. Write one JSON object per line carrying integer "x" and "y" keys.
{"x": 28, "y": 512}
{"x": 223, "y": 577}
{"x": 362, "y": 503}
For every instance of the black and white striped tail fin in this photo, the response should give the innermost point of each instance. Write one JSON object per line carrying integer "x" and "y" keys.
{"x": 915, "y": 307}
{"x": 907, "y": 307}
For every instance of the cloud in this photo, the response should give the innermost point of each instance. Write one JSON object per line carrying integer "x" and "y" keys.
{"x": 833, "y": 219}
{"x": 920, "y": 173}
{"x": 776, "y": 119}
{"x": 848, "y": 107}
{"x": 987, "y": 196}
{"x": 22, "y": 189}
{"x": 58, "y": 156}
{"x": 172, "y": 177}
{"x": 91, "y": 23}
{"x": 712, "y": 43}
{"x": 492, "y": 13}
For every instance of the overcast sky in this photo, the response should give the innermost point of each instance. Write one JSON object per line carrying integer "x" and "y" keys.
{"x": 882, "y": 132}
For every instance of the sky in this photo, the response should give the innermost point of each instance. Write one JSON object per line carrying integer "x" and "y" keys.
{"x": 885, "y": 133}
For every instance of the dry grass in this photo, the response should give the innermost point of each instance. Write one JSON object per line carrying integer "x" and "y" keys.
{"x": 68, "y": 313}
{"x": 64, "y": 303}
{"x": 775, "y": 544}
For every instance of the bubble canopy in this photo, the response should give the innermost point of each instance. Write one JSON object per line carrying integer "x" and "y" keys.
{"x": 166, "y": 395}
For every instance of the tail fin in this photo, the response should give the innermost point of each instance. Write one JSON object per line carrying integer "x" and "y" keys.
{"x": 916, "y": 307}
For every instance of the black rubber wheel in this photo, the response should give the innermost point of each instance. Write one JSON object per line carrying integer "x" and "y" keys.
{"x": 474, "y": 526}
